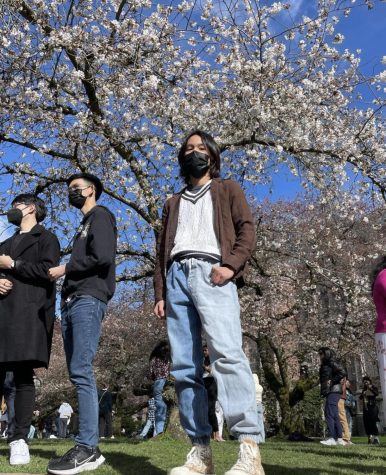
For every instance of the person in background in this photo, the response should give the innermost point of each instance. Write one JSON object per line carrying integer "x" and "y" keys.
{"x": 159, "y": 362}
{"x": 150, "y": 420}
{"x": 89, "y": 284}
{"x": 27, "y": 310}
{"x": 220, "y": 421}
{"x": 64, "y": 412}
{"x": 211, "y": 389}
{"x": 370, "y": 410}
{"x": 105, "y": 413}
{"x": 259, "y": 407}
{"x": 378, "y": 285}
{"x": 350, "y": 406}
{"x": 207, "y": 237}
{"x": 346, "y": 436}
{"x": 331, "y": 374}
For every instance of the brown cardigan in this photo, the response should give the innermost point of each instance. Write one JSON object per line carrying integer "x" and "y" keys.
{"x": 233, "y": 225}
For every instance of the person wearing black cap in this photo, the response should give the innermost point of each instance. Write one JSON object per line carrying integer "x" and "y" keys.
{"x": 88, "y": 285}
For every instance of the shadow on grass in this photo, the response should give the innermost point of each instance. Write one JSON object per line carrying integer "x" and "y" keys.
{"x": 132, "y": 465}
{"x": 344, "y": 452}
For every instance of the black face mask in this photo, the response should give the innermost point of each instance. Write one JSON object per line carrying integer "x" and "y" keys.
{"x": 76, "y": 198}
{"x": 15, "y": 216}
{"x": 195, "y": 164}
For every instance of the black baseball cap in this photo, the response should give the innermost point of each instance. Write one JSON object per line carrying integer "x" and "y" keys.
{"x": 89, "y": 177}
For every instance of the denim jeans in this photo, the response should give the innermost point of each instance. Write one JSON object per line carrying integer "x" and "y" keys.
{"x": 160, "y": 405}
{"x": 149, "y": 425}
{"x": 194, "y": 304}
{"x": 332, "y": 416}
{"x": 81, "y": 327}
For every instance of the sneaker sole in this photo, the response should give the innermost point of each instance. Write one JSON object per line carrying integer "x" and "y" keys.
{"x": 82, "y": 468}
{"x": 20, "y": 463}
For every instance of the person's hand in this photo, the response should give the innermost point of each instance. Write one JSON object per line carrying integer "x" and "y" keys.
{"x": 159, "y": 309}
{"x": 219, "y": 275}
{"x": 5, "y": 286}
{"x": 56, "y": 273}
{"x": 6, "y": 262}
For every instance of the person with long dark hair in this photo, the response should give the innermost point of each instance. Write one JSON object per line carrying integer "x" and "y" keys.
{"x": 331, "y": 374}
{"x": 27, "y": 311}
{"x": 207, "y": 237}
{"x": 370, "y": 410}
{"x": 378, "y": 285}
{"x": 159, "y": 373}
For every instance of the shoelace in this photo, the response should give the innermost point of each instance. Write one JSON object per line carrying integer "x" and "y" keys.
{"x": 246, "y": 460}
{"x": 195, "y": 459}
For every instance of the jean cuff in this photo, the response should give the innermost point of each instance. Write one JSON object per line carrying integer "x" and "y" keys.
{"x": 255, "y": 437}
{"x": 200, "y": 440}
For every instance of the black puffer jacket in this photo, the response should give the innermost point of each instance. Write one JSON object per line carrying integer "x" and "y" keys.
{"x": 331, "y": 373}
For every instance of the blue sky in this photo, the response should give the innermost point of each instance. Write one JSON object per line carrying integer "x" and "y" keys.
{"x": 363, "y": 29}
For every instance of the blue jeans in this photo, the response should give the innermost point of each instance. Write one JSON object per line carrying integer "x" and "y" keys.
{"x": 81, "y": 327}
{"x": 160, "y": 405}
{"x": 332, "y": 416}
{"x": 194, "y": 304}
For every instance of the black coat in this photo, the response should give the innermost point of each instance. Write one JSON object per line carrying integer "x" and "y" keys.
{"x": 331, "y": 374}
{"x": 27, "y": 313}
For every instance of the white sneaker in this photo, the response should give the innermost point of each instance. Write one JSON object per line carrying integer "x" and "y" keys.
{"x": 19, "y": 452}
{"x": 330, "y": 441}
{"x": 341, "y": 442}
{"x": 249, "y": 460}
{"x": 198, "y": 462}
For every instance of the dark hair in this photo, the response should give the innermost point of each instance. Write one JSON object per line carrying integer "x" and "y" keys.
{"x": 89, "y": 178}
{"x": 30, "y": 199}
{"x": 212, "y": 148}
{"x": 379, "y": 266}
{"x": 366, "y": 378}
{"x": 327, "y": 353}
{"x": 161, "y": 351}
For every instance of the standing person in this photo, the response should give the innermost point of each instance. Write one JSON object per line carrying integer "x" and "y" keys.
{"x": 105, "y": 413}
{"x": 350, "y": 406}
{"x": 150, "y": 420}
{"x": 159, "y": 373}
{"x": 331, "y": 374}
{"x": 346, "y": 436}
{"x": 9, "y": 390}
{"x": 207, "y": 237}
{"x": 378, "y": 284}
{"x": 211, "y": 389}
{"x": 64, "y": 412}
{"x": 259, "y": 407}
{"x": 88, "y": 285}
{"x": 370, "y": 410}
{"x": 27, "y": 310}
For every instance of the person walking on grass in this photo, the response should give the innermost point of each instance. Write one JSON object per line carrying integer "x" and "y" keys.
{"x": 27, "y": 311}
{"x": 88, "y": 285}
{"x": 331, "y": 374}
{"x": 207, "y": 237}
{"x": 159, "y": 365}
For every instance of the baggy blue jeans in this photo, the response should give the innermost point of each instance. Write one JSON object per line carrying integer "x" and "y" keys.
{"x": 81, "y": 328}
{"x": 194, "y": 304}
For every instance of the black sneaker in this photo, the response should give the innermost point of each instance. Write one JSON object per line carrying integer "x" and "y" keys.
{"x": 77, "y": 459}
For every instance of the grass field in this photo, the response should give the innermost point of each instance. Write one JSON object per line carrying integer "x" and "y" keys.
{"x": 155, "y": 457}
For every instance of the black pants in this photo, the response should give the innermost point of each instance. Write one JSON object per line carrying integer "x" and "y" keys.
{"x": 24, "y": 399}
{"x": 105, "y": 425}
{"x": 370, "y": 419}
{"x": 211, "y": 389}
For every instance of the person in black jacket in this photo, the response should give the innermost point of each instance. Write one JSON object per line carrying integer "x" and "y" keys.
{"x": 105, "y": 401}
{"x": 331, "y": 374}
{"x": 88, "y": 285}
{"x": 27, "y": 310}
{"x": 370, "y": 410}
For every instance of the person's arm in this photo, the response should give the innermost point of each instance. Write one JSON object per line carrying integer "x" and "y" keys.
{"x": 159, "y": 270}
{"x": 49, "y": 252}
{"x": 244, "y": 228}
{"x": 338, "y": 373}
{"x": 101, "y": 245}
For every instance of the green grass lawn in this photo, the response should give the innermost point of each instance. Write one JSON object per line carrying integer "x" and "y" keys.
{"x": 155, "y": 457}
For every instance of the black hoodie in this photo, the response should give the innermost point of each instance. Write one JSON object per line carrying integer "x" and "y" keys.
{"x": 91, "y": 269}
{"x": 331, "y": 373}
